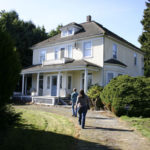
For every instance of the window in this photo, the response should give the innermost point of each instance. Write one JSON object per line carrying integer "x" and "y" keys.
{"x": 69, "y": 82}
{"x": 89, "y": 80}
{"x": 109, "y": 77}
{"x": 48, "y": 82}
{"x": 56, "y": 53}
{"x": 70, "y": 51}
{"x": 61, "y": 82}
{"x": 87, "y": 49}
{"x": 42, "y": 56}
{"x": 64, "y": 33}
{"x": 62, "y": 52}
{"x": 114, "y": 51}
{"x": 70, "y": 31}
{"x": 135, "y": 59}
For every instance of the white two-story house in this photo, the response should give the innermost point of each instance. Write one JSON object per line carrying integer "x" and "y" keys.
{"x": 80, "y": 56}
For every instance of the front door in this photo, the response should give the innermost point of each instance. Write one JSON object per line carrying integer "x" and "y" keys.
{"x": 41, "y": 85}
{"x": 54, "y": 86}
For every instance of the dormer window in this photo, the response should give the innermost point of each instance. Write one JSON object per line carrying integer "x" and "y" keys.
{"x": 67, "y": 32}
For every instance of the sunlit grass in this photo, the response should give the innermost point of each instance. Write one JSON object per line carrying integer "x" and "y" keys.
{"x": 141, "y": 124}
{"x": 39, "y": 130}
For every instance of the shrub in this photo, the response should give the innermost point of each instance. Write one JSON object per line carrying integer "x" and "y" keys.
{"x": 127, "y": 95}
{"x": 94, "y": 95}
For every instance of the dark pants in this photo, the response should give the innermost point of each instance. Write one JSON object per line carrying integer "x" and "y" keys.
{"x": 82, "y": 116}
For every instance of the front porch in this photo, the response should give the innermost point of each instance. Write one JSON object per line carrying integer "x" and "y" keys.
{"x": 53, "y": 82}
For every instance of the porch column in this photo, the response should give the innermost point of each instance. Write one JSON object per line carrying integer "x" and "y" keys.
{"x": 65, "y": 83}
{"x": 85, "y": 80}
{"x": 58, "y": 84}
{"x": 22, "y": 84}
{"x": 37, "y": 84}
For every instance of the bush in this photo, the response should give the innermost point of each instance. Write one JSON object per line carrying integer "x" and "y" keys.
{"x": 94, "y": 95}
{"x": 127, "y": 95}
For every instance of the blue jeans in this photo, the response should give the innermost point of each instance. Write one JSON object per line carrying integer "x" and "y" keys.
{"x": 82, "y": 116}
{"x": 74, "y": 110}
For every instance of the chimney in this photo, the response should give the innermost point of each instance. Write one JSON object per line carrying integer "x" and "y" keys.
{"x": 88, "y": 18}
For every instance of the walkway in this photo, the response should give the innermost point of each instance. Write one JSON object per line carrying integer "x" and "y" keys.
{"x": 103, "y": 131}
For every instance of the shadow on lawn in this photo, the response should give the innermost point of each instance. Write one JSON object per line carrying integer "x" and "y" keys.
{"x": 24, "y": 138}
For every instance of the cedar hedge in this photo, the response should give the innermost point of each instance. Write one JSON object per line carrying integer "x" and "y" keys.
{"x": 125, "y": 95}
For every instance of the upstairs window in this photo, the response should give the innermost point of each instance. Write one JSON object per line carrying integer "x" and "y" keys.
{"x": 70, "y": 31}
{"x": 64, "y": 33}
{"x": 135, "y": 59}
{"x": 62, "y": 52}
{"x": 56, "y": 53}
{"x": 69, "y": 51}
{"x": 114, "y": 52}
{"x": 87, "y": 49}
{"x": 42, "y": 56}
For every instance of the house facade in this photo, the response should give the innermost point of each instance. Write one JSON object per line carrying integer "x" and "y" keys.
{"x": 80, "y": 56}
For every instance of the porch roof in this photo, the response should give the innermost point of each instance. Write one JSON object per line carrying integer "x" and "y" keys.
{"x": 74, "y": 65}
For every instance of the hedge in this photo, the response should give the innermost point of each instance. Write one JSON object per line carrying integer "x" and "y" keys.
{"x": 127, "y": 95}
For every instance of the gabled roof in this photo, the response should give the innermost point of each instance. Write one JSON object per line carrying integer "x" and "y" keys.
{"x": 72, "y": 24}
{"x": 88, "y": 29}
{"x": 115, "y": 61}
{"x": 75, "y": 64}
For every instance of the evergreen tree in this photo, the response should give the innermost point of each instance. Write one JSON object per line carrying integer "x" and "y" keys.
{"x": 54, "y": 32}
{"x": 24, "y": 34}
{"x": 144, "y": 39}
{"x": 9, "y": 68}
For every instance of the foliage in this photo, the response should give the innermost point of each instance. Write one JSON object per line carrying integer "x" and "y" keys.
{"x": 144, "y": 39}
{"x": 127, "y": 95}
{"x": 10, "y": 68}
{"x": 94, "y": 95}
{"x": 54, "y": 32}
{"x": 141, "y": 124}
{"x": 24, "y": 34}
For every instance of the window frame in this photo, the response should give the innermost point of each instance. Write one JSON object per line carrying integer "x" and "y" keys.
{"x": 114, "y": 51}
{"x": 43, "y": 52}
{"x": 83, "y": 47}
{"x": 135, "y": 59}
{"x": 107, "y": 77}
{"x": 56, "y": 52}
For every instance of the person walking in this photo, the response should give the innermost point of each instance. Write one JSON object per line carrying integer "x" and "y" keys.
{"x": 83, "y": 105}
{"x": 73, "y": 100}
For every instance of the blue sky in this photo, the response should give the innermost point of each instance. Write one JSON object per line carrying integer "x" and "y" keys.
{"x": 120, "y": 16}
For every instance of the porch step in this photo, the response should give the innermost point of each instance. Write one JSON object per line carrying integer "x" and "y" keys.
{"x": 64, "y": 101}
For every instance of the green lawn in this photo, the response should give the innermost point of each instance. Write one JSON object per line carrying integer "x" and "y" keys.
{"x": 141, "y": 124}
{"x": 39, "y": 131}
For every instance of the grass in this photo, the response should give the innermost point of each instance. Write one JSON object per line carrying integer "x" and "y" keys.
{"x": 39, "y": 130}
{"x": 141, "y": 124}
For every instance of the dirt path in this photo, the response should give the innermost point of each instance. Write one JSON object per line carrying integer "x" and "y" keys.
{"x": 102, "y": 131}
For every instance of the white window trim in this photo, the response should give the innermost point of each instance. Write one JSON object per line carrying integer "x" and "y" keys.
{"x": 42, "y": 51}
{"x": 68, "y": 51}
{"x": 83, "y": 49}
{"x": 67, "y": 32}
{"x": 58, "y": 51}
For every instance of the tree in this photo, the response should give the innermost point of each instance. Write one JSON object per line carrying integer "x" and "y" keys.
{"x": 54, "y": 32}
{"x": 144, "y": 39}
{"x": 9, "y": 68}
{"x": 24, "y": 34}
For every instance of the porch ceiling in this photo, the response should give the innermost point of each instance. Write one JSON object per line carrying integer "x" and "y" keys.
{"x": 74, "y": 65}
